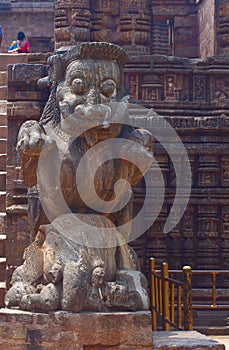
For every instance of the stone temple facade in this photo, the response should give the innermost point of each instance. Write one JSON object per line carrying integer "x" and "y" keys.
{"x": 179, "y": 66}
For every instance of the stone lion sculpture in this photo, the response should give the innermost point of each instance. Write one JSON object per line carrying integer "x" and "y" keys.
{"x": 59, "y": 271}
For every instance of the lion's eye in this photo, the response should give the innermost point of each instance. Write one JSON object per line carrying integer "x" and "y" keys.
{"x": 78, "y": 85}
{"x": 108, "y": 88}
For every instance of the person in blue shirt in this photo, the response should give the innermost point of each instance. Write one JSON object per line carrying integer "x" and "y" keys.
{"x": 1, "y": 35}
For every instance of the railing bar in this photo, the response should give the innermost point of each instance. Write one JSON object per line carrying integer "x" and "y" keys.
{"x": 204, "y": 306}
{"x": 214, "y": 290}
{"x": 179, "y": 308}
{"x": 168, "y": 279}
{"x": 165, "y": 296}
{"x": 157, "y": 294}
{"x": 187, "y": 295}
{"x": 160, "y": 296}
{"x": 174, "y": 325}
{"x": 153, "y": 297}
{"x": 158, "y": 275}
{"x": 203, "y": 272}
{"x": 172, "y": 297}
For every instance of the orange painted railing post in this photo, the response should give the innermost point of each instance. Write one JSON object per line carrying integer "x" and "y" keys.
{"x": 153, "y": 293}
{"x": 165, "y": 296}
{"x": 214, "y": 290}
{"x": 187, "y": 295}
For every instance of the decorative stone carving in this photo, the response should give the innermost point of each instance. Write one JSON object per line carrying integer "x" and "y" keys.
{"x": 105, "y": 21}
{"x": 199, "y": 88}
{"x": 151, "y": 88}
{"x": 225, "y": 170}
{"x": 73, "y": 270}
{"x": 72, "y": 22}
{"x": 135, "y": 26}
{"x": 133, "y": 86}
{"x": 170, "y": 88}
{"x": 221, "y": 91}
{"x": 208, "y": 171}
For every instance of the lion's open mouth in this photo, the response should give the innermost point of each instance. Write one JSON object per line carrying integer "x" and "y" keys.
{"x": 93, "y": 112}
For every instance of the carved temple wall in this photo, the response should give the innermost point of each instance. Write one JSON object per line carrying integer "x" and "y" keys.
{"x": 198, "y": 109}
{"x": 183, "y": 28}
{"x": 222, "y": 36}
{"x": 25, "y": 101}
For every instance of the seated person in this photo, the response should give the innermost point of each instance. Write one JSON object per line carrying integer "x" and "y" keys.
{"x": 21, "y": 45}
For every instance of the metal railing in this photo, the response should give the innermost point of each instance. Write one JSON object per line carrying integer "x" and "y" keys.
{"x": 206, "y": 301}
{"x": 171, "y": 295}
{"x": 171, "y": 299}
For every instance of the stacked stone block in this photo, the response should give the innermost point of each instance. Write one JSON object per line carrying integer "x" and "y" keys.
{"x": 21, "y": 330}
{"x": 4, "y": 61}
{"x": 25, "y": 101}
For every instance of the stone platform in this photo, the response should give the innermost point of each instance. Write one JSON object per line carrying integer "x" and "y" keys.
{"x": 184, "y": 340}
{"x": 20, "y": 330}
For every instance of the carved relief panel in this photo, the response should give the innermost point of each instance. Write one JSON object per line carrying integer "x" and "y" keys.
{"x": 225, "y": 242}
{"x": 170, "y": 88}
{"x": 132, "y": 82}
{"x": 208, "y": 171}
{"x": 199, "y": 88}
{"x": 156, "y": 243}
{"x": 225, "y": 171}
{"x": 220, "y": 91}
{"x": 151, "y": 88}
{"x": 208, "y": 221}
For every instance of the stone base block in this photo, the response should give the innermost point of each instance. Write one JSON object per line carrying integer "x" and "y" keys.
{"x": 184, "y": 340}
{"x": 20, "y": 330}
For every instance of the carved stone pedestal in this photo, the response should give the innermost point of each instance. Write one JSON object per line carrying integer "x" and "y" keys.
{"x": 20, "y": 330}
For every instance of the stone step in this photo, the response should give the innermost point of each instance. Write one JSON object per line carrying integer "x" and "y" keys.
{"x": 2, "y": 269}
{"x": 67, "y": 331}
{"x": 6, "y": 59}
{"x": 3, "y": 78}
{"x": 216, "y": 330}
{"x": 2, "y": 162}
{"x": 3, "y": 132}
{"x": 3, "y": 118}
{"x": 3, "y": 109}
{"x": 184, "y": 340}
{"x": 2, "y": 180}
{"x": 3, "y": 92}
{"x": 2, "y": 223}
{"x": 2, "y": 293}
{"x": 2, "y": 201}
{"x": 3, "y": 144}
{"x": 2, "y": 245}
{"x": 221, "y": 339}
{"x": 209, "y": 317}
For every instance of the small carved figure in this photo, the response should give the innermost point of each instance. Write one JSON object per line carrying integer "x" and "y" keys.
{"x": 221, "y": 91}
{"x": 170, "y": 89}
{"x": 133, "y": 86}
